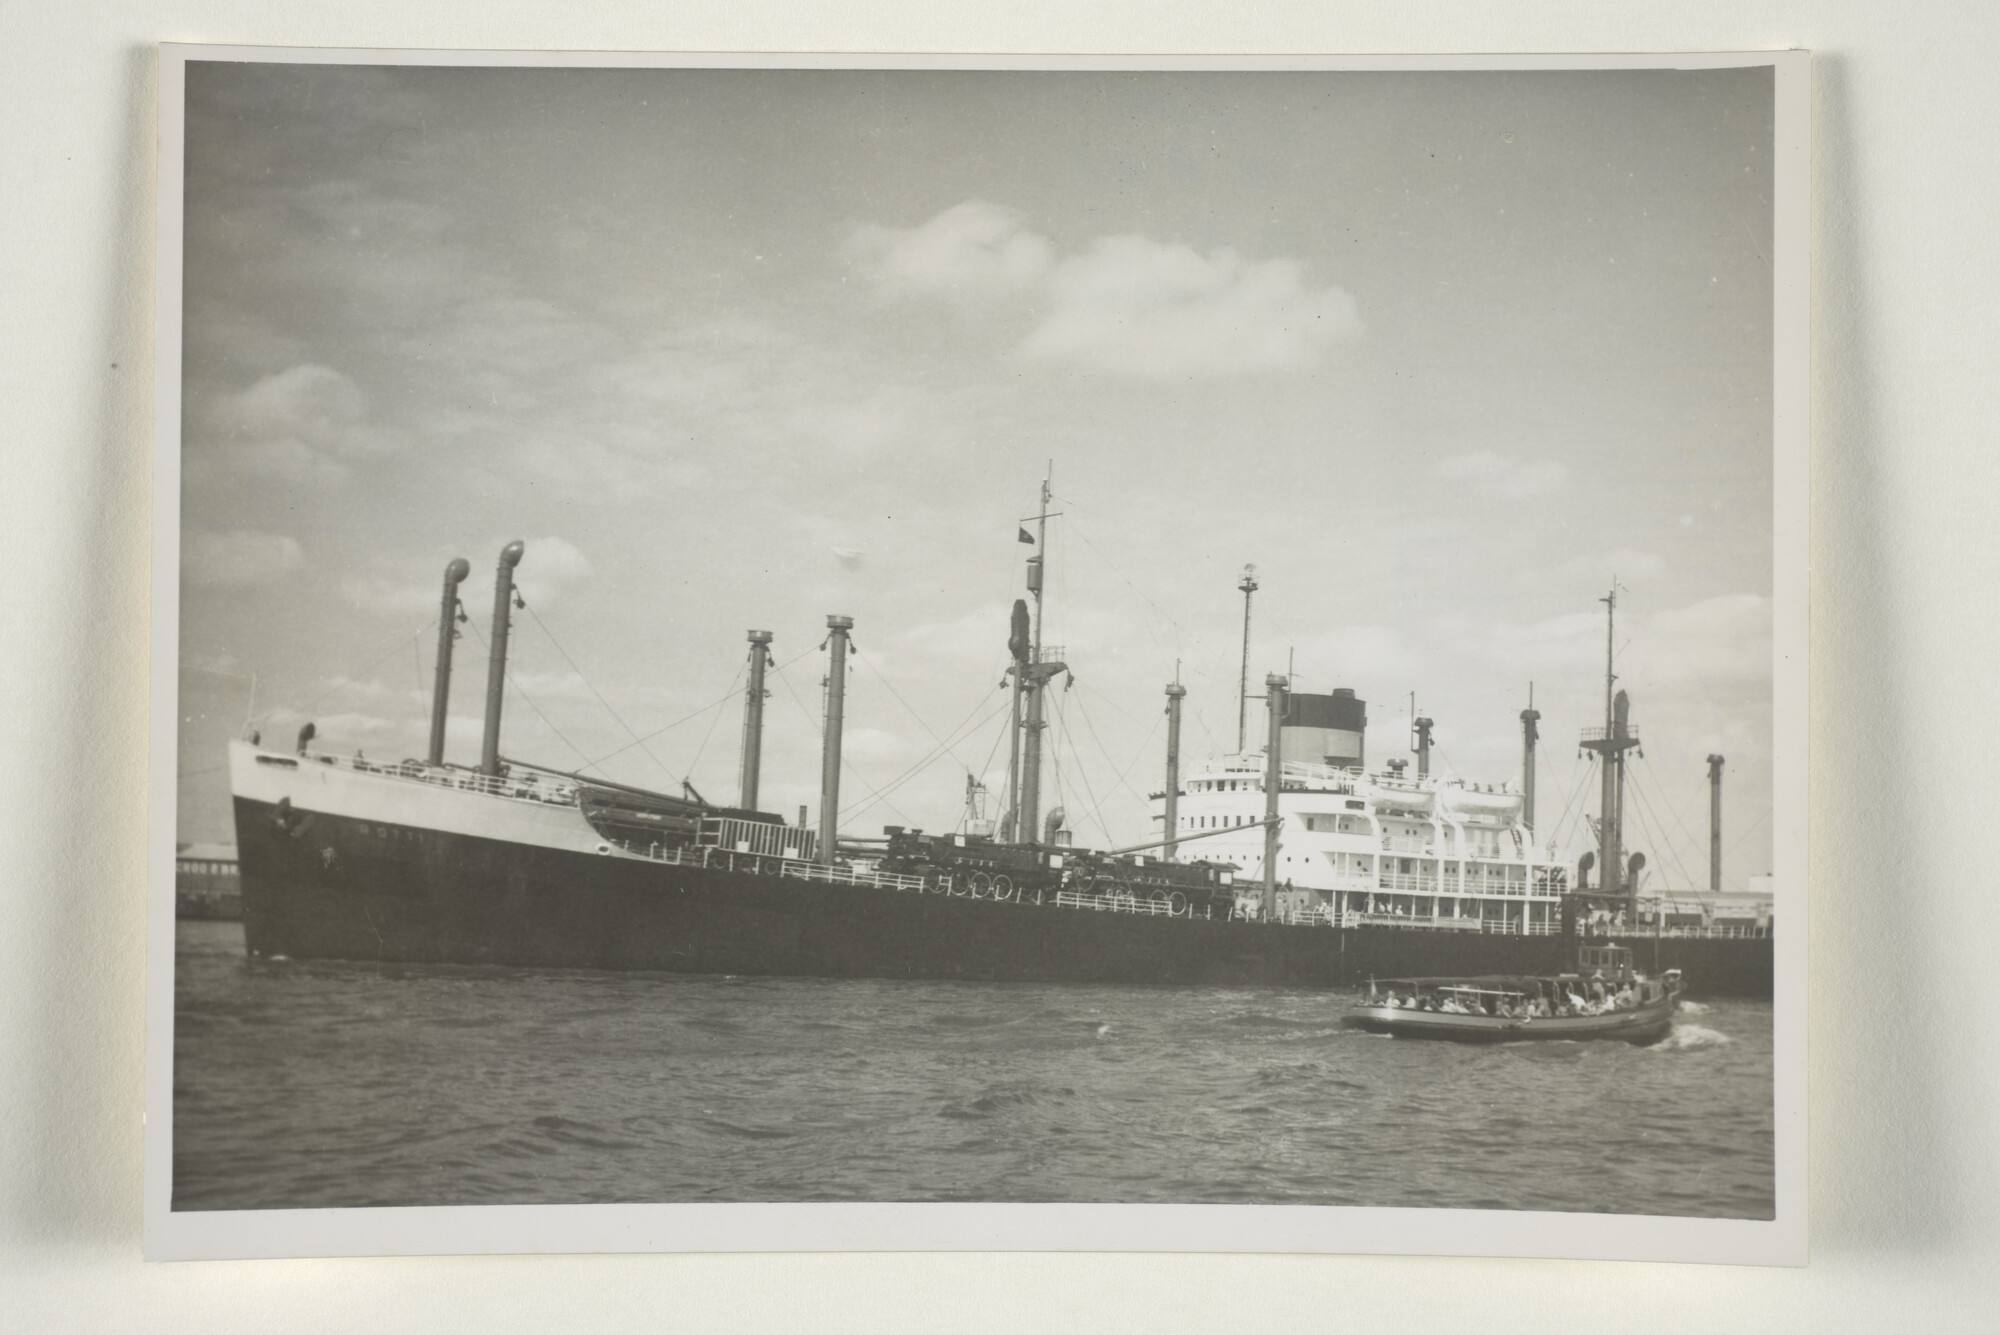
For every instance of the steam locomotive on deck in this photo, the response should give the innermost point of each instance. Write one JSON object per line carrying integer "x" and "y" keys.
{"x": 980, "y": 867}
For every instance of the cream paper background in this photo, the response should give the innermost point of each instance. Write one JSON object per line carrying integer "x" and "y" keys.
{"x": 887, "y": 1226}
{"x": 1903, "y": 1169}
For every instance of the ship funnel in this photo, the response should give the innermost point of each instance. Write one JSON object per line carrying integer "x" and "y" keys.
{"x": 1423, "y": 727}
{"x": 448, "y": 617}
{"x": 1325, "y": 729}
{"x": 496, "y": 660}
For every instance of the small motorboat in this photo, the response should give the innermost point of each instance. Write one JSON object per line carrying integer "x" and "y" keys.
{"x": 1604, "y": 998}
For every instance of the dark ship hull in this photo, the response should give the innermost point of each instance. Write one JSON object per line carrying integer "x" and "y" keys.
{"x": 318, "y": 884}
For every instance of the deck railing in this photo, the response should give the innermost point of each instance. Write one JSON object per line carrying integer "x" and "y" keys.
{"x": 768, "y": 864}
{"x": 1425, "y": 923}
{"x": 1067, "y": 899}
{"x": 524, "y": 785}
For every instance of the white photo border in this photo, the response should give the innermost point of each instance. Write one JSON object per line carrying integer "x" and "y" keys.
{"x": 1780, "y": 1241}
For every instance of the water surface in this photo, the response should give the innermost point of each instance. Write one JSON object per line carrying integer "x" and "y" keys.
{"x": 302, "y": 1085}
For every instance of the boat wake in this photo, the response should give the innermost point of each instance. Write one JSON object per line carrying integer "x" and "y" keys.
{"x": 1693, "y": 1008}
{"x": 1686, "y": 1037}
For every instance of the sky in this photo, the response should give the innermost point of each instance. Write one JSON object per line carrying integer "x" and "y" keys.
{"x": 1442, "y": 354}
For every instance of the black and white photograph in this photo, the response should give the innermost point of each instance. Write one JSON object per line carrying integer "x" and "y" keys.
{"x": 817, "y": 634}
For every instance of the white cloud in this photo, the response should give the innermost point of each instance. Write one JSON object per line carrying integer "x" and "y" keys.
{"x": 1139, "y": 307}
{"x": 1726, "y": 639}
{"x": 862, "y": 746}
{"x": 351, "y": 731}
{"x": 974, "y": 249}
{"x": 1515, "y": 479}
{"x": 861, "y": 425}
{"x": 392, "y": 597}
{"x": 548, "y": 567}
{"x": 1629, "y": 563}
{"x": 1355, "y": 656}
{"x": 1711, "y": 644}
{"x": 301, "y": 426}
{"x": 311, "y": 404}
{"x": 543, "y": 687}
{"x": 239, "y": 558}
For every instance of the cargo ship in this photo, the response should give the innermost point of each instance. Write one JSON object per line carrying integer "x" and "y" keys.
{"x": 1295, "y": 864}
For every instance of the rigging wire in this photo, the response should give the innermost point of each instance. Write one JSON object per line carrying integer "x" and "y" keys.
{"x": 342, "y": 683}
{"x": 592, "y": 688}
{"x": 999, "y": 736}
{"x": 1062, "y": 734}
{"x": 1748, "y": 830}
{"x": 1649, "y": 823}
{"x": 869, "y": 664}
{"x": 1201, "y": 722}
{"x": 714, "y": 720}
{"x": 1083, "y": 708}
{"x": 1180, "y": 631}
{"x": 724, "y": 699}
{"x": 1659, "y": 787}
{"x": 1136, "y": 758}
{"x": 1653, "y": 801}
{"x": 820, "y": 725}
{"x": 929, "y": 759}
{"x": 508, "y": 679}
{"x": 1197, "y": 653}
{"x": 1561, "y": 825}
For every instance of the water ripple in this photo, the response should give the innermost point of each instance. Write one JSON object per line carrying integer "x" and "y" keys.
{"x": 300, "y": 1085}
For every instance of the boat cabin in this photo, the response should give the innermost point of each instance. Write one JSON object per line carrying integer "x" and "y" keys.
{"x": 1611, "y": 963}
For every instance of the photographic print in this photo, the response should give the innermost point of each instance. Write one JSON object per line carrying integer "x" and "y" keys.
{"x": 834, "y": 635}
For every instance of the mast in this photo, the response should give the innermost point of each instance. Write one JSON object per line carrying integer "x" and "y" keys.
{"x": 1034, "y": 685}
{"x": 829, "y": 766}
{"x": 448, "y": 618}
{"x": 504, "y": 598}
{"x": 1274, "y": 769}
{"x": 1175, "y": 694}
{"x": 1019, "y": 645}
{"x": 1611, "y": 742}
{"x": 1608, "y": 808}
{"x": 1249, "y": 586}
{"x": 1715, "y": 825}
{"x": 753, "y": 718}
{"x": 1530, "y": 734}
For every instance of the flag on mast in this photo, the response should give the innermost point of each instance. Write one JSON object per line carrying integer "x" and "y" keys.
{"x": 1027, "y": 537}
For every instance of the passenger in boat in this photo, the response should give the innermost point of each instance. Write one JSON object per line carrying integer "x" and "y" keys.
{"x": 1626, "y": 998}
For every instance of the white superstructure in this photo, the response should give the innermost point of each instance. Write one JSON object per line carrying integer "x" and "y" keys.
{"x": 1358, "y": 847}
